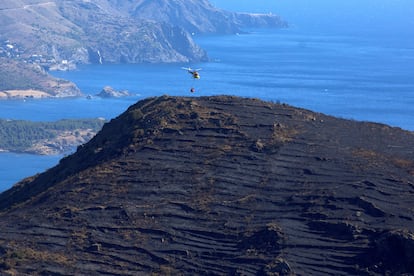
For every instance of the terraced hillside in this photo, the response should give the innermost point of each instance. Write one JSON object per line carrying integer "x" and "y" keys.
{"x": 218, "y": 186}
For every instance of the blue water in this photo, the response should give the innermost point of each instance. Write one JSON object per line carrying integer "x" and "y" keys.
{"x": 368, "y": 78}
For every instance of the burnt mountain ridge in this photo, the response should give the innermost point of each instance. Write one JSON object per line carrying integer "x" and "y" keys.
{"x": 220, "y": 186}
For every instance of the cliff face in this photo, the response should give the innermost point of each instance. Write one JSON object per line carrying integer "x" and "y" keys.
{"x": 60, "y": 34}
{"x": 111, "y": 31}
{"x": 218, "y": 185}
{"x": 50, "y": 32}
{"x": 199, "y": 16}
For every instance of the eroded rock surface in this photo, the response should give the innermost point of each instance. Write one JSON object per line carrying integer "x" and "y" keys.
{"x": 218, "y": 186}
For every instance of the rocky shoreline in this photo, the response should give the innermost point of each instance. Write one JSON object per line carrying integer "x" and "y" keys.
{"x": 64, "y": 143}
{"x": 20, "y": 80}
{"x": 105, "y": 32}
{"x": 111, "y": 32}
{"x": 23, "y": 94}
{"x": 47, "y": 138}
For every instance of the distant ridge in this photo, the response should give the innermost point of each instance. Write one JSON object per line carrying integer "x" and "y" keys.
{"x": 61, "y": 33}
{"x": 218, "y": 186}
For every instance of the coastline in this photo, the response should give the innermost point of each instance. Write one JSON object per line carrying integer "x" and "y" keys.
{"x": 23, "y": 94}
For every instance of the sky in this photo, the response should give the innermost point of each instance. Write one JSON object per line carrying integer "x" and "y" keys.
{"x": 374, "y": 16}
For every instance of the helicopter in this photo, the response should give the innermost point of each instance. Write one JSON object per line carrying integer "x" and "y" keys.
{"x": 194, "y": 72}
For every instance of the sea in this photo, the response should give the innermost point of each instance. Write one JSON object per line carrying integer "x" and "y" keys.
{"x": 352, "y": 76}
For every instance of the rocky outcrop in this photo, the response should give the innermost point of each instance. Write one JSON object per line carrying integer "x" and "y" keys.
{"x": 218, "y": 186}
{"x": 109, "y": 92}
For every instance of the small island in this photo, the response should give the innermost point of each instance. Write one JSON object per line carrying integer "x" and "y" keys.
{"x": 109, "y": 92}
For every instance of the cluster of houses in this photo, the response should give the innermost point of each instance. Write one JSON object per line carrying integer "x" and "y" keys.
{"x": 11, "y": 50}
{"x": 8, "y": 49}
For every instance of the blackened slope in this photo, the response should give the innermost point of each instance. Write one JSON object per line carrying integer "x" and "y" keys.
{"x": 114, "y": 139}
{"x": 220, "y": 185}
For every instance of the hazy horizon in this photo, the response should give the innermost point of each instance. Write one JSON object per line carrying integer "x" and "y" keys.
{"x": 390, "y": 17}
